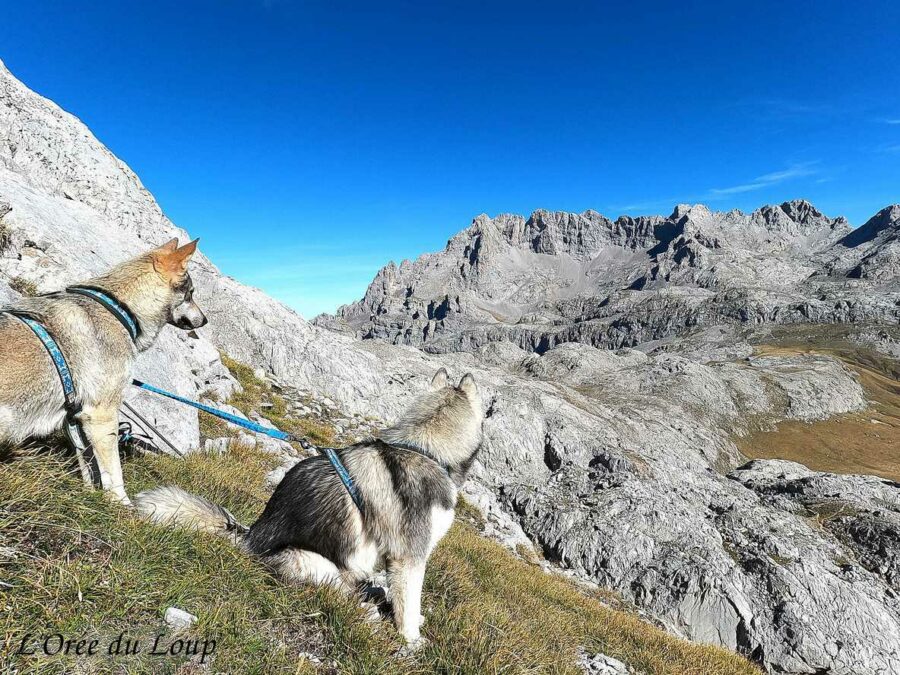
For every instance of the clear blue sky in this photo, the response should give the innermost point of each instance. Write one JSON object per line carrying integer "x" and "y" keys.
{"x": 308, "y": 143}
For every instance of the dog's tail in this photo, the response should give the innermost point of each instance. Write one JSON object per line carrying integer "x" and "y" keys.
{"x": 170, "y": 505}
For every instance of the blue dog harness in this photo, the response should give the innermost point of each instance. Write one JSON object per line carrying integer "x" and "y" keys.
{"x": 116, "y": 308}
{"x": 72, "y": 425}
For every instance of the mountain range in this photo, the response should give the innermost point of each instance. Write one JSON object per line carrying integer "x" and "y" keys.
{"x": 559, "y": 277}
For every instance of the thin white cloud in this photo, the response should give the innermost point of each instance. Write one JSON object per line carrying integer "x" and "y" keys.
{"x": 892, "y": 121}
{"x": 771, "y": 179}
{"x": 891, "y": 148}
{"x": 766, "y": 180}
{"x": 642, "y": 206}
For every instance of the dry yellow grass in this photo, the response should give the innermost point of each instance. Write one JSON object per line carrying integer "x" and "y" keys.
{"x": 861, "y": 442}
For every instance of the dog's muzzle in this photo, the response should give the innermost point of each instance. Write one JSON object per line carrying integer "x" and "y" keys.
{"x": 188, "y": 316}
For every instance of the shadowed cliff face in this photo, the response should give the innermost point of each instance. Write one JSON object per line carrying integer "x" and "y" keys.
{"x": 620, "y": 466}
{"x": 562, "y": 277}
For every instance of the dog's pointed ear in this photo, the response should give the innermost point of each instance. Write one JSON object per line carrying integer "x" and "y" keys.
{"x": 467, "y": 384}
{"x": 182, "y": 255}
{"x": 168, "y": 247}
{"x": 174, "y": 263}
{"x": 440, "y": 379}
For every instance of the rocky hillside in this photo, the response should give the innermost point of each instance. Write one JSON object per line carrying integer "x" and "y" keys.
{"x": 619, "y": 466}
{"x": 562, "y": 277}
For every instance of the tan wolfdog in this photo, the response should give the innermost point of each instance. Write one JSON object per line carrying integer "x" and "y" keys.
{"x": 154, "y": 289}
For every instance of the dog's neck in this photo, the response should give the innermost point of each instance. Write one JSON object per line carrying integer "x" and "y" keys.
{"x": 455, "y": 455}
{"x": 149, "y": 303}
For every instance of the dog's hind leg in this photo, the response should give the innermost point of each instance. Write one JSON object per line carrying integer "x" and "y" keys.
{"x": 296, "y": 565}
{"x": 405, "y": 580}
{"x": 102, "y": 428}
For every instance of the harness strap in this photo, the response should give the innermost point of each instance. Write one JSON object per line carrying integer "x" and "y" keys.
{"x": 116, "y": 308}
{"x": 62, "y": 368}
{"x": 400, "y": 445}
{"x": 344, "y": 475}
{"x": 74, "y": 431}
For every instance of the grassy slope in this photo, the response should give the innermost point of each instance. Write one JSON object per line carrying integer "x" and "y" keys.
{"x": 85, "y": 567}
{"x": 861, "y": 442}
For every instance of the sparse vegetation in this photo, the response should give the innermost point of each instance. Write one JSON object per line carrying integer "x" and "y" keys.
{"x": 258, "y": 395}
{"x": 861, "y": 442}
{"x": 5, "y": 236}
{"x": 23, "y": 286}
{"x": 780, "y": 560}
{"x": 71, "y": 562}
{"x": 214, "y": 427}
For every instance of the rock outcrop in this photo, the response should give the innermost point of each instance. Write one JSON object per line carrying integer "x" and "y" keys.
{"x": 619, "y": 465}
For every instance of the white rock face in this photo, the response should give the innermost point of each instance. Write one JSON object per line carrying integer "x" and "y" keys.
{"x": 619, "y": 465}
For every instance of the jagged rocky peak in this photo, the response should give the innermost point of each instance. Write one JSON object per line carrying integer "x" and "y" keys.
{"x": 795, "y": 222}
{"x": 556, "y": 277}
{"x": 584, "y": 235}
{"x": 798, "y": 211}
{"x": 580, "y": 235}
{"x": 883, "y": 224}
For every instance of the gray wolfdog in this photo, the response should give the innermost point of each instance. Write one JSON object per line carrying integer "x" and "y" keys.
{"x": 407, "y": 477}
{"x": 155, "y": 288}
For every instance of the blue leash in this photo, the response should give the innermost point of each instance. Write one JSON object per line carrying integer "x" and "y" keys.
{"x": 329, "y": 453}
{"x": 228, "y": 417}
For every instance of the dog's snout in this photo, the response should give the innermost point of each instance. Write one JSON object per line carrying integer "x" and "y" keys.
{"x": 187, "y": 316}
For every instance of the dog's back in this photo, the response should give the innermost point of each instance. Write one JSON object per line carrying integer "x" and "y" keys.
{"x": 310, "y": 509}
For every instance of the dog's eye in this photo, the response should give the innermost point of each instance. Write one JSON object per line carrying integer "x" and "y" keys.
{"x": 185, "y": 289}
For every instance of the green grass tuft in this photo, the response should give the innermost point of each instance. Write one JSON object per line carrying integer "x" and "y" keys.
{"x": 257, "y": 392}
{"x": 23, "y": 286}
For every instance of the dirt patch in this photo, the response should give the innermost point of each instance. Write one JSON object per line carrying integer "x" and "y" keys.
{"x": 864, "y": 442}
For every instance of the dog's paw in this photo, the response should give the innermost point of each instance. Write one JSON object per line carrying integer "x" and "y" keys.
{"x": 413, "y": 645}
{"x": 421, "y": 620}
{"x": 118, "y": 497}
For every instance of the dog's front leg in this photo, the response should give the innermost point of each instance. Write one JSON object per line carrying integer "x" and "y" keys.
{"x": 406, "y": 579}
{"x": 101, "y": 425}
